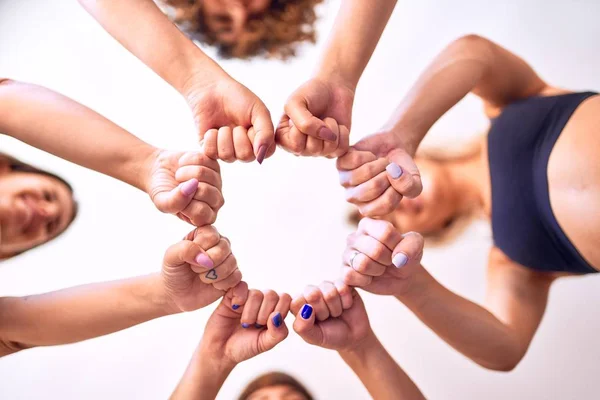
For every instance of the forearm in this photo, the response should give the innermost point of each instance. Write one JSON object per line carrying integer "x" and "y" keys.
{"x": 142, "y": 28}
{"x": 356, "y": 32}
{"x": 379, "y": 373}
{"x": 203, "y": 378}
{"x": 464, "y": 325}
{"x": 80, "y": 313}
{"x": 67, "y": 129}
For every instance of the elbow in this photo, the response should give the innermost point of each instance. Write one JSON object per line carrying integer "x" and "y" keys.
{"x": 473, "y": 46}
{"x": 5, "y": 81}
{"x": 506, "y": 362}
{"x": 9, "y": 347}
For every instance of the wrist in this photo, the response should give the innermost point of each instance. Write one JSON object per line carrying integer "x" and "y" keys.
{"x": 146, "y": 158}
{"x": 336, "y": 76}
{"x": 219, "y": 362}
{"x": 160, "y": 297}
{"x": 420, "y": 289}
{"x": 362, "y": 350}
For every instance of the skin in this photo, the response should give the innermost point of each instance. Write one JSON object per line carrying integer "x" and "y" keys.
{"x": 84, "y": 312}
{"x": 231, "y": 19}
{"x": 186, "y": 184}
{"x": 34, "y": 209}
{"x": 497, "y": 335}
{"x": 344, "y": 327}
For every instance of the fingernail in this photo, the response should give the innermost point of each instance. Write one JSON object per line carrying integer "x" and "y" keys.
{"x": 189, "y": 188}
{"x": 394, "y": 170}
{"x": 400, "y": 260}
{"x": 262, "y": 152}
{"x": 245, "y": 325}
{"x": 306, "y": 311}
{"x": 205, "y": 261}
{"x": 258, "y": 326}
{"x": 277, "y": 320}
{"x": 235, "y": 306}
{"x": 327, "y": 134}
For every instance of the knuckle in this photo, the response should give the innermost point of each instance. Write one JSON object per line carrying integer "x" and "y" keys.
{"x": 255, "y": 295}
{"x": 270, "y": 295}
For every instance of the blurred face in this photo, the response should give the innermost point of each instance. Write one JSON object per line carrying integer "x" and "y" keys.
{"x": 434, "y": 208}
{"x": 34, "y": 209}
{"x": 281, "y": 392}
{"x": 231, "y": 19}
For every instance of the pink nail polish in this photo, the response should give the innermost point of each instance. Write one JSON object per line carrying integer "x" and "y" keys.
{"x": 189, "y": 188}
{"x": 262, "y": 152}
{"x": 205, "y": 261}
{"x": 327, "y": 134}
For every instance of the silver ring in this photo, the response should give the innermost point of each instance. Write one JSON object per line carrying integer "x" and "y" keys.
{"x": 352, "y": 259}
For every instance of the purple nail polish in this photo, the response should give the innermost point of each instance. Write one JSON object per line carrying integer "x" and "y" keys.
{"x": 189, "y": 188}
{"x": 306, "y": 311}
{"x": 262, "y": 152}
{"x": 205, "y": 261}
{"x": 277, "y": 320}
{"x": 327, "y": 134}
{"x": 245, "y": 325}
{"x": 399, "y": 260}
{"x": 258, "y": 326}
{"x": 235, "y": 306}
{"x": 394, "y": 170}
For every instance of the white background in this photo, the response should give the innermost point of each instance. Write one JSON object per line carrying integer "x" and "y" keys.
{"x": 285, "y": 219}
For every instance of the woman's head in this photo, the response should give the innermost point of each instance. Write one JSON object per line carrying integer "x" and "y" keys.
{"x": 35, "y": 206}
{"x": 275, "y": 386}
{"x": 246, "y": 28}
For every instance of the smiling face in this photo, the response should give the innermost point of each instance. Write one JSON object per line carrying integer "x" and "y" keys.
{"x": 34, "y": 208}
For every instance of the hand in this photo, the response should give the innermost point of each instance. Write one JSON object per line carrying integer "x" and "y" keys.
{"x": 332, "y": 316}
{"x": 233, "y": 124}
{"x": 377, "y": 172}
{"x": 199, "y": 269}
{"x": 317, "y": 119}
{"x": 380, "y": 260}
{"x": 245, "y": 324}
{"x": 187, "y": 185}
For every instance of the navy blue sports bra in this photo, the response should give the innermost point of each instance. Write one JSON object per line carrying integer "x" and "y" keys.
{"x": 519, "y": 144}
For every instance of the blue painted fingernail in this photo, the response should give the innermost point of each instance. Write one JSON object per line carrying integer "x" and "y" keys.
{"x": 245, "y": 325}
{"x": 258, "y": 326}
{"x": 306, "y": 311}
{"x": 235, "y": 306}
{"x": 277, "y": 320}
{"x": 400, "y": 260}
{"x": 394, "y": 170}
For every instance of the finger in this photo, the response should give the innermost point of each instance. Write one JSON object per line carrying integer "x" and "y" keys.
{"x": 176, "y": 199}
{"x": 314, "y": 297}
{"x": 242, "y": 145}
{"x": 263, "y": 134}
{"x": 239, "y": 296}
{"x": 345, "y": 292}
{"x": 225, "y": 144}
{"x": 352, "y": 278}
{"x": 343, "y": 143}
{"x": 210, "y": 195}
{"x": 304, "y": 326}
{"x": 382, "y": 205}
{"x": 284, "y": 304}
{"x": 251, "y": 309}
{"x": 369, "y": 190}
{"x": 200, "y": 213}
{"x": 209, "y": 144}
{"x": 206, "y": 237}
{"x": 354, "y": 159}
{"x": 201, "y": 173}
{"x": 373, "y": 249}
{"x": 293, "y": 141}
{"x": 219, "y": 273}
{"x": 275, "y": 333}
{"x": 332, "y": 298}
{"x": 381, "y": 230}
{"x": 403, "y": 174}
{"x": 199, "y": 159}
{"x": 408, "y": 250}
{"x": 270, "y": 300}
{"x": 185, "y": 252}
{"x": 363, "y": 173}
{"x": 314, "y": 147}
{"x": 297, "y": 302}
{"x": 329, "y": 147}
{"x": 233, "y": 279}
{"x": 218, "y": 254}
{"x": 362, "y": 264}
{"x": 297, "y": 109}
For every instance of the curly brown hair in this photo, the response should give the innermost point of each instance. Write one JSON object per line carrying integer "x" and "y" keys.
{"x": 276, "y": 34}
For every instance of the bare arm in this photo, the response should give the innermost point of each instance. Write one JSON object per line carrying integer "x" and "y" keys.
{"x": 496, "y": 339}
{"x": 67, "y": 129}
{"x": 379, "y": 373}
{"x": 357, "y": 30}
{"x": 469, "y": 64}
{"x": 80, "y": 313}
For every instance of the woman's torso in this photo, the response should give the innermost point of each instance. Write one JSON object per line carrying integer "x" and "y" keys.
{"x": 545, "y": 182}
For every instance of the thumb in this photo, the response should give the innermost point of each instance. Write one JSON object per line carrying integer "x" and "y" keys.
{"x": 403, "y": 174}
{"x": 306, "y": 122}
{"x": 275, "y": 333}
{"x": 305, "y": 327}
{"x": 263, "y": 133}
{"x": 177, "y": 199}
{"x": 186, "y": 252}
